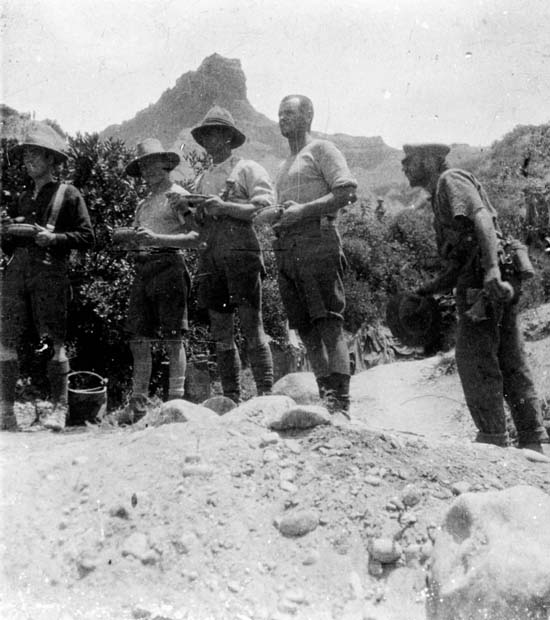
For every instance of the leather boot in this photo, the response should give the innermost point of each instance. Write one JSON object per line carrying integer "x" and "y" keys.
{"x": 59, "y": 388}
{"x": 338, "y": 394}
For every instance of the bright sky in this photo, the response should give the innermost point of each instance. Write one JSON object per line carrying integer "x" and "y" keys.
{"x": 406, "y": 70}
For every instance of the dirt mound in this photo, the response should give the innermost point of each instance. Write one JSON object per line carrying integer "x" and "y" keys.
{"x": 224, "y": 519}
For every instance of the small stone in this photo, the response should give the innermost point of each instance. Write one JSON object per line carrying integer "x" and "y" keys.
{"x": 119, "y": 511}
{"x": 287, "y": 486}
{"x": 270, "y": 456}
{"x": 233, "y": 586}
{"x": 135, "y": 545}
{"x": 141, "y": 614}
{"x": 85, "y": 564}
{"x": 460, "y": 487}
{"x": 293, "y": 446}
{"x": 287, "y": 607}
{"x": 298, "y": 523}
{"x": 411, "y": 495}
{"x": 269, "y": 439}
{"x": 80, "y": 460}
{"x": 375, "y": 568}
{"x": 311, "y": 557}
{"x": 288, "y": 473}
{"x": 535, "y": 457}
{"x": 442, "y": 493}
{"x": 197, "y": 470}
{"x": 408, "y": 518}
{"x": 384, "y": 550}
{"x": 193, "y": 458}
{"x": 374, "y": 481}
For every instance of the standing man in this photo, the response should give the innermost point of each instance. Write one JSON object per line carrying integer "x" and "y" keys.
{"x": 158, "y": 298}
{"x": 489, "y": 350}
{"x": 312, "y": 185}
{"x": 231, "y": 267}
{"x": 36, "y": 285}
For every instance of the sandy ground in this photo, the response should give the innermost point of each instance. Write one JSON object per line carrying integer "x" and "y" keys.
{"x": 179, "y": 521}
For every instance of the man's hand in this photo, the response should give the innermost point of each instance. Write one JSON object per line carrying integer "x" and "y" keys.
{"x": 293, "y": 212}
{"x": 44, "y": 237}
{"x": 495, "y": 287}
{"x": 213, "y": 205}
{"x": 144, "y": 236}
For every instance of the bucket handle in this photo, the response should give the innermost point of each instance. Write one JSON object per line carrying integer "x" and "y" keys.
{"x": 102, "y": 380}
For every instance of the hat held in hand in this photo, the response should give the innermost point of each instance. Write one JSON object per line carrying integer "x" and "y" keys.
{"x": 413, "y": 319}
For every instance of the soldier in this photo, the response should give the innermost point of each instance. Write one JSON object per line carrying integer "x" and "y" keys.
{"x": 312, "y": 185}
{"x": 35, "y": 285}
{"x": 231, "y": 267}
{"x": 159, "y": 294}
{"x": 489, "y": 351}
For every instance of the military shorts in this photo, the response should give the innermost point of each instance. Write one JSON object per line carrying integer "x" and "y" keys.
{"x": 159, "y": 297}
{"x": 35, "y": 297}
{"x": 230, "y": 277}
{"x": 310, "y": 274}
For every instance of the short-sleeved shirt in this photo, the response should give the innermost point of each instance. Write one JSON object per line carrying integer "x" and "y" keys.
{"x": 245, "y": 181}
{"x": 156, "y": 213}
{"x": 313, "y": 172}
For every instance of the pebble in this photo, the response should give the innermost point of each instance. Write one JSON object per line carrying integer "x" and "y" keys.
{"x": 293, "y": 445}
{"x": 374, "y": 481}
{"x": 135, "y": 545}
{"x": 311, "y": 557}
{"x": 375, "y": 568}
{"x": 119, "y": 510}
{"x": 460, "y": 487}
{"x": 535, "y": 457}
{"x": 80, "y": 460}
{"x": 287, "y": 486}
{"x": 295, "y": 595}
{"x": 270, "y": 456}
{"x": 442, "y": 493}
{"x": 384, "y": 550}
{"x": 298, "y": 523}
{"x": 411, "y": 495}
{"x": 233, "y": 586}
{"x": 198, "y": 470}
{"x": 408, "y": 518}
{"x": 268, "y": 439}
{"x": 288, "y": 473}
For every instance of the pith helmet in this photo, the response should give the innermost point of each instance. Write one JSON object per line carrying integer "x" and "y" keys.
{"x": 151, "y": 147}
{"x": 45, "y": 137}
{"x": 427, "y": 149}
{"x": 218, "y": 117}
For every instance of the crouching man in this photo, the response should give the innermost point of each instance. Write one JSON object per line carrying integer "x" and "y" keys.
{"x": 159, "y": 293}
{"x": 489, "y": 350}
{"x": 35, "y": 291}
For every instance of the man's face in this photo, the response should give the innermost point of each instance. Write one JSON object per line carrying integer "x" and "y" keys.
{"x": 153, "y": 170}
{"x": 416, "y": 170}
{"x": 292, "y": 120}
{"x": 37, "y": 161}
{"x": 215, "y": 140}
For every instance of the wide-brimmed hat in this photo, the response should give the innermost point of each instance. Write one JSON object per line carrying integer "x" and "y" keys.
{"x": 44, "y": 136}
{"x": 151, "y": 147}
{"x": 427, "y": 149}
{"x": 414, "y": 319}
{"x": 218, "y": 117}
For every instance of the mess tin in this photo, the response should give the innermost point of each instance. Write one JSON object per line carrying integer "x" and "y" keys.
{"x": 21, "y": 230}
{"x": 125, "y": 235}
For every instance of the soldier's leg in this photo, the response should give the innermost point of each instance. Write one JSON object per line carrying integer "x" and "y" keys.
{"x": 332, "y": 335}
{"x": 519, "y": 389}
{"x": 227, "y": 355}
{"x": 258, "y": 349}
{"x": 479, "y": 371}
{"x": 177, "y": 359}
{"x": 9, "y": 373}
{"x": 140, "y": 346}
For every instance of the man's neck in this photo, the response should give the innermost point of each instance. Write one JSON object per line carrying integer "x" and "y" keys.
{"x": 221, "y": 156}
{"x": 160, "y": 187}
{"x": 40, "y": 182}
{"x": 297, "y": 142}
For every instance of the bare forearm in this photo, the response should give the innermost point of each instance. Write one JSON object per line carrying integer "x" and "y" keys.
{"x": 237, "y": 210}
{"x": 182, "y": 240}
{"x": 330, "y": 203}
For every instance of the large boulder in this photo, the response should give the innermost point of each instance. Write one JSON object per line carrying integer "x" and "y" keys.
{"x": 300, "y": 386}
{"x": 259, "y": 410}
{"x": 491, "y": 559}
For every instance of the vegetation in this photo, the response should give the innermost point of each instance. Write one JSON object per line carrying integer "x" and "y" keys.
{"x": 385, "y": 254}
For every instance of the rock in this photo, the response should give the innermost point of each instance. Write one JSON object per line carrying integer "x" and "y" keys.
{"x": 270, "y": 456}
{"x": 374, "y": 481}
{"x": 86, "y": 562}
{"x": 219, "y": 404}
{"x": 300, "y": 417}
{"x": 136, "y": 545}
{"x": 293, "y": 446}
{"x": 300, "y": 386}
{"x": 259, "y": 410}
{"x": 458, "y": 488}
{"x": 375, "y": 568}
{"x": 287, "y": 486}
{"x": 120, "y": 511}
{"x": 535, "y": 457}
{"x": 298, "y": 523}
{"x": 384, "y": 550}
{"x": 491, "y": 558}
{"x": 411, "y": 495}
{"x": 177, "y": 410}
{"x": 312, "y": 557}
{"x": 200, "y": 470}
{"x": 268, "y": 439}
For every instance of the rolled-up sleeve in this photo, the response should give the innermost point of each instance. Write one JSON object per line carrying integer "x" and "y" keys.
{"x": 257, "y": 182}
{"x": 333, "y": 166}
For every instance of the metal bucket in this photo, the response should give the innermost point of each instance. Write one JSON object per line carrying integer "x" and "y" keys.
{"x": 87, "y": 397}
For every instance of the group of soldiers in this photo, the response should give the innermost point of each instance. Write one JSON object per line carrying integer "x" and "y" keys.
{"x": 229, "y": 197}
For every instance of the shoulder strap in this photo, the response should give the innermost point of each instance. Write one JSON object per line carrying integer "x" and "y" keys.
{"x": 56, "y": 207}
